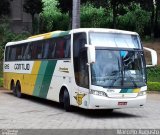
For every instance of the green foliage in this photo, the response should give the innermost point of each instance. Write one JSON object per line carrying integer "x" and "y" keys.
{"x": 153, "y": 86}
{"x": 153, "y": 74}
{"x": 153, "y": 78}
{"x": 92, "y": 16}
{"x": 33, "y": 7}
{"x": 132, "y": 17}
{"x": 7, "y": 36}
{"x": 51, "y": 18}
{"x": 136, "y": 19}
{"x": 1, "y": 82}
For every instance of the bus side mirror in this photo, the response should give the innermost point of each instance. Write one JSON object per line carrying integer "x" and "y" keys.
{"x": 91, "y": 53}
{"x": 153, "y": 55}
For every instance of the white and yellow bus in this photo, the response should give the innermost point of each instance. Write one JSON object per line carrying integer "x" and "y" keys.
{"x": 89, "y": 68}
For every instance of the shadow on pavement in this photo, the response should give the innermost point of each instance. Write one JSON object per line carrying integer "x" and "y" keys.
{"x": 102, "y": 113}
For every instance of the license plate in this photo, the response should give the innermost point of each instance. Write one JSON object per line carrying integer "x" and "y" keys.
{"x": 122, "y": 103}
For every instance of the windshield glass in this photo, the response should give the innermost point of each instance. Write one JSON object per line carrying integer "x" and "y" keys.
{"x": 120, "y": 69}
{"x": 114, "y": 40}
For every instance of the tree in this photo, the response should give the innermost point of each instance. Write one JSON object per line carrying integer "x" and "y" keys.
{"x": 89, "y": 12}
{"x": 33, "y": 7}
{"x": 116, "y": 6}
{"x": 53, "y": 17}
{"x": 66, "y": 6}
{"x": 156, "y": 27}
{"x": 76, "y": 14}
{"x": 4, "y": 7}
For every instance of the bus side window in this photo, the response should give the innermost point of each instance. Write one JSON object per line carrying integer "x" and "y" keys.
{"x": 27, "y": 52}
{"x": 60, "y": 48}
{"x": 33, "y": 48}
{"x": 80, "y": 60}
{"x": 24, "y": 46}
{"x": 19, "y": 52}
{"x": 46, "y": 50}
{"x": 52, "y": 46}
{"x": 67, "y": 46}
{"x": 39, "y": 49}
{"x": 13, "y": 53}
{"x": 7, "y": 53}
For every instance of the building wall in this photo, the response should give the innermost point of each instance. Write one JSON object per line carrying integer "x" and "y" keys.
{"x": 19, "y": 20}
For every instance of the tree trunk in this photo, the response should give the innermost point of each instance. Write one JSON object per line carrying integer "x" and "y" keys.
{"x": 114, "y": 8}
{"x": 33, "y": 23}
{"x": 76, "y": 14}
{"x": 152, "y": 18}
{"x": 156, "y": 21}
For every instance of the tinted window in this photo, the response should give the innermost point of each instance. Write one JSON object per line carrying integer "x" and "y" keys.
{"x": 67, "y": 46}
{"x": 13, "y": 53}
{"x": 80, "y": 60}
{"x": 55, "y": 48}
{"x": 7, "y": 53}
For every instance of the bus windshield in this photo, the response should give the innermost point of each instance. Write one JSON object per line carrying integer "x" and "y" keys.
{"x": 115, "y": 40}
{"x": 118, "y": 69}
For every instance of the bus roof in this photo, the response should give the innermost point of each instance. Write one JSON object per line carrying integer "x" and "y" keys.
{"x": 61, "y": 33}
{"x": 40, "y": 37}
{"x": 47, "y": 35}
{"x": 103, "y": 30}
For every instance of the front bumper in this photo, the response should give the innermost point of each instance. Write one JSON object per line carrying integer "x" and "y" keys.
{"x": 100, "y": 102}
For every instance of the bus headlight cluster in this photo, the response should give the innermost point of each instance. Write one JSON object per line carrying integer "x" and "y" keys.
{"x": 142, "y": 93}
{"x": 99, "y": 93}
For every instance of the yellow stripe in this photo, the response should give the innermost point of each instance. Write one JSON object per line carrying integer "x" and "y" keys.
{"x": 45, "y": 35}
{"x": 27, "y": 81}
{"x": 30, "y": 79}
{"x": 136, "y": 90}
{"x": 36, "y": 67}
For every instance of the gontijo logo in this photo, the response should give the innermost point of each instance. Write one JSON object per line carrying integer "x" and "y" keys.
{"x": 22, "y": 66}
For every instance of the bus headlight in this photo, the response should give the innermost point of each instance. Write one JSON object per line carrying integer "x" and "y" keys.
{"x": 142, "y": 93}
{"x": 99, "y": 93}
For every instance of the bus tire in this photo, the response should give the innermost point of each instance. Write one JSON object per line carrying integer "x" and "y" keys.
{"x": 66, "y": 101}
{"x": 18, "y": 90}
{"x": 13, "y": 89}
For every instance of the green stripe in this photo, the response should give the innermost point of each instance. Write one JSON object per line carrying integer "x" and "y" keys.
{"x": 47, "y": 78}
{"x": 60, "y": 34}
{"x": 64, "y": 33}
{"x": 126, "y": 90}
{"x": 40, "y": 77}
{"x": 130, "y": 91}
{"x": 123, "y": 90}
{"x": 44, "y": 77}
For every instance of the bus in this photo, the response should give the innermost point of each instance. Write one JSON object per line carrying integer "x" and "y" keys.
{"x": 90, "y": 68}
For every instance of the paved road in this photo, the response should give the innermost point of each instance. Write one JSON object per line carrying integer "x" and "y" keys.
{"x": 31, "y": 112}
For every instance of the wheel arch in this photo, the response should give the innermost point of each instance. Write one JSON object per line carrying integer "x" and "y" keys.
{"x": 12, "y": 83}
{"x": 61, "y": 93}
{"x": 18, "y": 83}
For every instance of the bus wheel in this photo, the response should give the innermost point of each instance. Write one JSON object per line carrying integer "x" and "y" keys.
{"x": 18, "y": 90}
{"x": 13, "y": 89}
{"x": 66, "y": 101}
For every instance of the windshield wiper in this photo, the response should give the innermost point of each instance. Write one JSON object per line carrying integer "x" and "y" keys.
{"x": 132, "y": 80}
{"x": 121, "y": 68}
